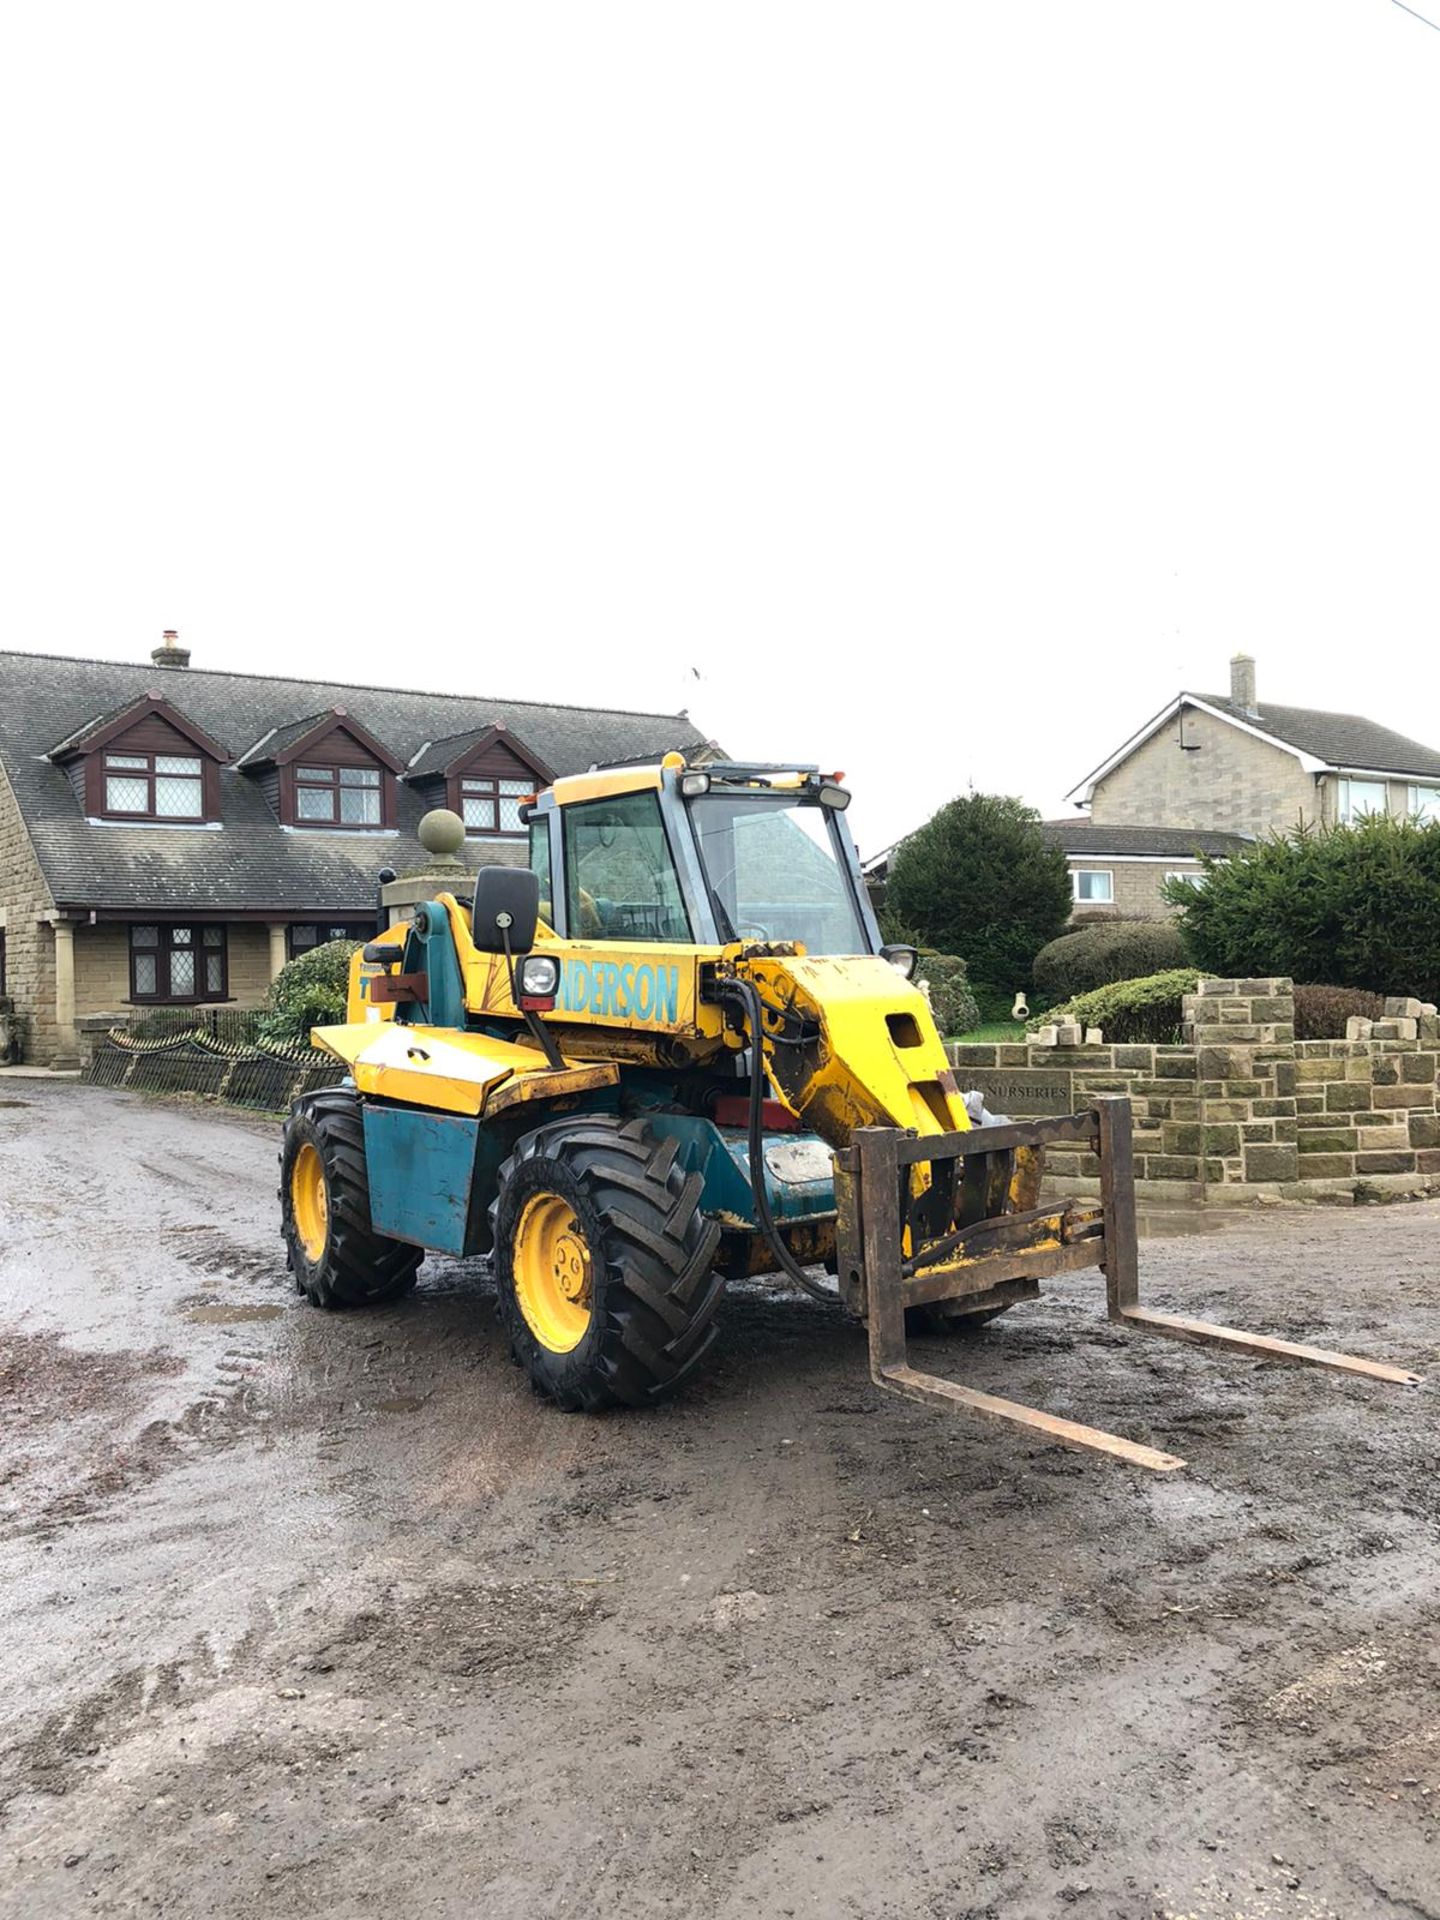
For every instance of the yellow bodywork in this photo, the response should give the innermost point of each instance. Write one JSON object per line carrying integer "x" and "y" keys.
{"x": 452, "y": 1071}
{"x": 879, "y": 1060}
{"x": 876, "y": 1058}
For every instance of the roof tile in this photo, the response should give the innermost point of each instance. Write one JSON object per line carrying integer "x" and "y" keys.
{"x": 254, "y": 863}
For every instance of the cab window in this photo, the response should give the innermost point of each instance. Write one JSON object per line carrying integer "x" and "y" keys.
{"x": 540, "y": 864}
{"x": 620, "y": 880}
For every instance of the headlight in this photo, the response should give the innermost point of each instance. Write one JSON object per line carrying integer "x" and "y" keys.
{"x": 693, "y": 783}
{"x": 539, "y": 976}
{"x": 903, "y": 959}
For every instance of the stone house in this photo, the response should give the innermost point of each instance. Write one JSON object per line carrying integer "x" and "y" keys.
{"x": 170, "y": 836}
{"x": 1209, "y": 773}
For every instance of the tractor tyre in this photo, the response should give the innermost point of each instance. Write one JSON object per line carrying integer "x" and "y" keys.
{"x": 335, "y": 1254}
{"x": 604, "y": 1263}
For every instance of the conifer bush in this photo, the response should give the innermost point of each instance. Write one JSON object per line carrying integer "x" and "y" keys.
{"x": 1352, "y": 906}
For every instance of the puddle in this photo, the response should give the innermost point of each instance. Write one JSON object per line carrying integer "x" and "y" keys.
{"x": 223, "y": 1314}
{"x": 400, "y": 1405}
{"x": 1175, "y": 1223}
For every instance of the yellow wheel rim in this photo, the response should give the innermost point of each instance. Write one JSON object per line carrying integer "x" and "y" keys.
{"x": 310, "y": 1201}
{"x": 551, "y": 1266}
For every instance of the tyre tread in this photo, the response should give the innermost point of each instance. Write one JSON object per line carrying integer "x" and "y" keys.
{"x": 662, "y": 1294}
{"x": 361, "y": 1267}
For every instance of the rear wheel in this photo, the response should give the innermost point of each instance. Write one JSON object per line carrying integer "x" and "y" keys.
{"x": 604, "y": 1263}
{"x": 334, "y": 1252}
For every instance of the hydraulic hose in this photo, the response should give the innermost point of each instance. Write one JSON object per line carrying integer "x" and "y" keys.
{"x": 744, "y": 991}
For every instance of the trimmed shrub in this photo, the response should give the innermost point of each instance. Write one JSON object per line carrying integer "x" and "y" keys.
{"x": 1355, "y": 906}
{"x": 1115, "y": 950}
{"x": 310, "y": 991}
{"x": 978, "y": 879}
{"x": 1321, "y": 1012}
{"x": 1130, "y": 1012}
{"x": 951, "y": 1000}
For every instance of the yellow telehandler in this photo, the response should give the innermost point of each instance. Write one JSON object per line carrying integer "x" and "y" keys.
{"x": 672, "y": 1050}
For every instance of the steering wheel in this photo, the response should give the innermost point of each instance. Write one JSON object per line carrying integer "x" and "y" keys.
{"x": 742, "y": 927}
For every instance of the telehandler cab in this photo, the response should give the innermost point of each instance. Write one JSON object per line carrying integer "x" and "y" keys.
{"x": 671, "y": 1051}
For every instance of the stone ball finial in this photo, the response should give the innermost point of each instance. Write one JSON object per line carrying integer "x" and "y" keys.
{"x": 442, "y": 833}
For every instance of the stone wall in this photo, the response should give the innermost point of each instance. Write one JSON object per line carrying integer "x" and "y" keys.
{"x": 1240, "y": 1110}
{"x": 29, "y": 942}
{"x": 1368, "y": 1109}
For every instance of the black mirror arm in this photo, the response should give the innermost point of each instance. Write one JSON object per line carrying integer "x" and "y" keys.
{"x": 539, "y": 1032}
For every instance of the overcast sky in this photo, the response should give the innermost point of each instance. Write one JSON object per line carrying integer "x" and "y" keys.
{"x": 926, "y": 390}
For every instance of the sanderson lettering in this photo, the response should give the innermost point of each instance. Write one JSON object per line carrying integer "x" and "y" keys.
{"x": 605, "y": 987}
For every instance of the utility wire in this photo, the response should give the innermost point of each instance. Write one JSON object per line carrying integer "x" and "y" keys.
{"x": 1415, "y": 16}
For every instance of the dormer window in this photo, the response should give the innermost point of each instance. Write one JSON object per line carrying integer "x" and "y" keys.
{"x": 483, "y": 776}
{"x": 145, "y": 763}
{"x": 492, "y": 806}
{"x": 338, "y": 796}
{"x": 154, "y": 786}
{"x": 325, "y": 772}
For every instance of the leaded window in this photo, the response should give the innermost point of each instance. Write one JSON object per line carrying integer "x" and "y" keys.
{"x": 339, "y": 796}
{"x": 178, "y": 963}
{"x": 155, "y": 786}
{"x": 492, "y": 806}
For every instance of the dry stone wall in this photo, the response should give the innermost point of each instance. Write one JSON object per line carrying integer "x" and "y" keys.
{"x": 1241, "y": 1110}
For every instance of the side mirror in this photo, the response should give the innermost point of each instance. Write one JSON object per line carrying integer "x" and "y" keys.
{"x": 507, "y": 904}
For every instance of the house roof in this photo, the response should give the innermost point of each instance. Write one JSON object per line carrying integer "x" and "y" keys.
{"x": 1344, "y": 741}
{"x": 106, "y": 727}
{"x": 1087, "y": 841}
{"x": 254, "y": 863}
{"x": 439, "y": 756}
{"x": 1322, "y": 742}
{"x": 275, "y": 740}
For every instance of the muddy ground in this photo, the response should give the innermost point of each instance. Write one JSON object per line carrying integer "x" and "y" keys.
{"x": 327, "y": 1614}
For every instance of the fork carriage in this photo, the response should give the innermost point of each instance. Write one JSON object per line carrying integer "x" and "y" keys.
{"x": 891, "y": 1259}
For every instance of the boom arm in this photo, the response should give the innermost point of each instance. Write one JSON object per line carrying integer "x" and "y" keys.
{"x": 850, "y": 1043}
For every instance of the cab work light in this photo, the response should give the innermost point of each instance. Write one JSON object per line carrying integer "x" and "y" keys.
{"x": 904, "y": 959}
{"x": 693, "y": 783}
{"x": 539, "y": 983}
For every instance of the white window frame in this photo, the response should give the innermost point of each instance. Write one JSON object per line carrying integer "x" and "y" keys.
{"x": 1107, "y": 874}
{"x": 1425, "y": 802}
{"x": 1346, "y": 813}
{"x": 1192, "y": 876}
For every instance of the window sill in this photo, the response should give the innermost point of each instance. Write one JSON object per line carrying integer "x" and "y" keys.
{"x": 210, "y": 1000}
{"x": 149, "y": 820}
{"x": 330, "y": 826}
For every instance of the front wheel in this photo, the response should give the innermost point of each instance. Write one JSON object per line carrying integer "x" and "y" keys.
{"x": 337, "y": 1257}
{"x": 604, "y": 1263}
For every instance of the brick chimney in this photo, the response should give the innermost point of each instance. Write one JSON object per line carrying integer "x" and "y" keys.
{"x": 170, "y": 653}
{"x": 1242, "y": 683}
